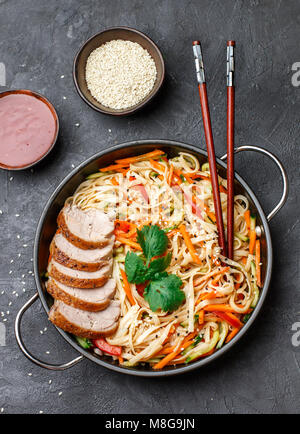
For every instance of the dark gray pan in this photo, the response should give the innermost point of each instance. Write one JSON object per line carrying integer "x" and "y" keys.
{"x": 47, "y": 227}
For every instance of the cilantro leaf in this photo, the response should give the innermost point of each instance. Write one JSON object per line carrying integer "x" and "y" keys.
{"x": 164, "y": 293}
{"x": 152, "y": 240}
{"x": 135, "y": 268}
{"x": 158, "y": 265}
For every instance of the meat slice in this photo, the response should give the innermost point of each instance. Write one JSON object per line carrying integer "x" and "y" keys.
{"x": 77, "y": 278}
{"x": 86, "y": 229}
{"x": 92, "y": 300}
{"x": 73, "y": 257}
{"x": 85, "y": 324}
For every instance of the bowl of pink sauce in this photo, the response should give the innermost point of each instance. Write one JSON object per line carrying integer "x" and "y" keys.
{"x": 28, "y": 128}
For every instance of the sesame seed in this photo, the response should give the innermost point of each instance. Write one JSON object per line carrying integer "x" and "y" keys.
{"x": 50, "y": 381}
{"x": 11, "y": 178}
{"x": 1, "y": 212}
{"x": 25, "y": 245}
{"x": 77, "y": 124}
{"x": 41, "y": 412}
{"x": 64, "y": 97}
{"x": 18, "y": 236}
{"x": 59, "y": 393}
{"x": 5, "y": 319}
{"x": 30, "y": 374}
{"x": 62, "y": 76}
{"x": 2, "y": 410}
{"x": 11, "y": 261}
{"x": 17, "y": 215}
{"x": 10, "y": 271}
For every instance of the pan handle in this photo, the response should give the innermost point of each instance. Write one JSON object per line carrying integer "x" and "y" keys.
{"x": 26, "y": 352}
{"x": 280, "y": 167}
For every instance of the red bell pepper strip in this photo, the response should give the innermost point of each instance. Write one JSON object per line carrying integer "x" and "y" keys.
{"x": 107, "y": 348}
{"x": 230, "y": 318}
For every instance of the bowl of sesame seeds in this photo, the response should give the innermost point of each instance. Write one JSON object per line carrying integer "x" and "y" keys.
{"x": 118, "y": 71}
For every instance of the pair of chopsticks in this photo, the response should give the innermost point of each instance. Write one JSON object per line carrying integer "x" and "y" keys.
{"x": 226, "y": 250}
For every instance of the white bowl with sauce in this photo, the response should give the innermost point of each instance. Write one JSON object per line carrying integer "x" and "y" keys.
{"x": 28, "y": 129}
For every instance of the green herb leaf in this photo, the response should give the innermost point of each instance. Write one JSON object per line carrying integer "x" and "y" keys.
{"x": 158, "y": 265}
{"x": 164, "y": 293}
{"x": 84, "y": 342}
{"x": 153, "y": 241}
{"x": 135, "y": 268}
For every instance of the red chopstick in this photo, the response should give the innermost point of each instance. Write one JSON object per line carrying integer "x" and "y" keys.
{"x": 230, "y": 148}
{"x": 209, "y": 142}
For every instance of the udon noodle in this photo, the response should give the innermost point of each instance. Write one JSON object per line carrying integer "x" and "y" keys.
{"x": 169, "y": 193}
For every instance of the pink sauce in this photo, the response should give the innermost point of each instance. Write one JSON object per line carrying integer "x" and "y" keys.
{"x": 27, "y": 129}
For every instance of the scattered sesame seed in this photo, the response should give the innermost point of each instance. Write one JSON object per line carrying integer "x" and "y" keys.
{"x": 11, "y": 178}
{"x": 23, "y": 275}
{"x": 64, "y": 97}
{"x": 25, "y": 245}
{"x": 17, "y": 295}
{"x": 11, "y": 261}
{"x": 17, "y": 215}
{"x": 18, "y": 236}
{"x": 109, "y": 130}
{"x": 5, "y": 319}
{"x": 2, "y": 410}
{"x": 23, "y": 283}
{"x": 47, "y": 352}
{"x": 41, "y": 331}
{"x": 59, "y": 393}
{"x": 30, "y": 374}
{"x": 7, "y": 312}
{"x": 24, "y": 290}
{"x": 72, "y": 165}
{"x": 77, "y": 124}
{"x": 10, "y": 303}
{"x": 62, "y": 76}
{"x": 2, "y": 292}
{"x": 41, "y": 412}
{"x": 19, "y": 255}
{"x": 10, "y": 271}
{"x": 50, "y": 381}
{"x": 31, "y": 259}
{"x": 45, "y": 329}
{"x": 1, "y": 212}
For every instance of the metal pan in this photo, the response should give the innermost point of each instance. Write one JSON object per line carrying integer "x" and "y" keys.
{"x": 47, "y": 227}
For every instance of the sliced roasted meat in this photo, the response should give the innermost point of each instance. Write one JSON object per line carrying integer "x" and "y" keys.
{"x": 92, "y": 300}
{"x": 71, "y": 256}
{"x": 77, "y": 278}
{"x": 86, "y": 229}
{"x": 90, "y": 325}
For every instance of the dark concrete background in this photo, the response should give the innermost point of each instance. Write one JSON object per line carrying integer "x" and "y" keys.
{"x": 38, "y": 41}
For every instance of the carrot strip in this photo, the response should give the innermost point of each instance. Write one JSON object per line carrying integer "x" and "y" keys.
{"x": 129, "y": 243}
{"x": 201, "y": 317}
{"x": 189, "y": 244}
{"x": 206, "y": 296}
{"x": 230, "y": 318}
{"x": 162, "y": 363}
{"x": 257, "y": 262}
{"x": 114, "y": 181}
{"x": 157, "y": 165}
{"x": 127, "y": 288}
{"x": 222, "y": 189}
{"x": 247, "y": 218}
{"x": 232, "y": 334}
{"x": 170, "y": 174}
{"x": 113, "y": 167}
{"x": 252, "y": 241}
{"x": 219, "y": 307}
{"x": 179, "y": 173}
{"x": 153, "y": 154}
{"x": 121, "y": 360}
{"x": 171, "y": 233}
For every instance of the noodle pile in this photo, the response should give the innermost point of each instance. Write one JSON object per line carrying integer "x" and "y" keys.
{"x": 169, "y": 193}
